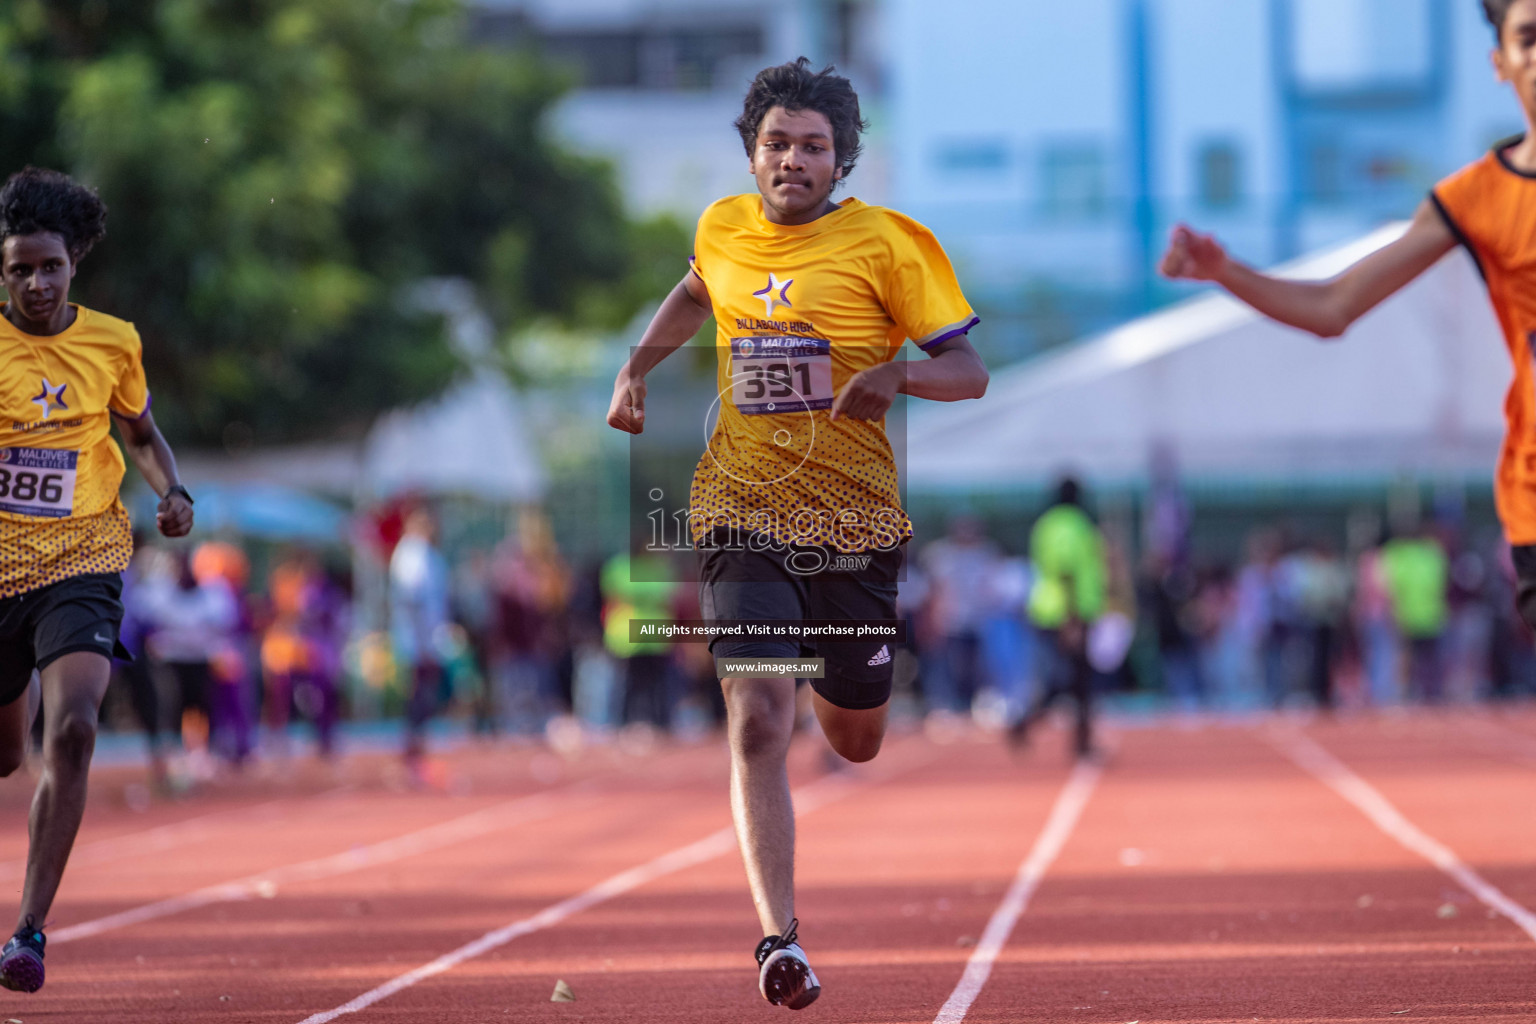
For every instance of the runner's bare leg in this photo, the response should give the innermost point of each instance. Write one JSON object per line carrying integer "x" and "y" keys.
{"x": 856, "y": 735}
{"x": 73, "y": 687}
{"x": 760, "y": 719}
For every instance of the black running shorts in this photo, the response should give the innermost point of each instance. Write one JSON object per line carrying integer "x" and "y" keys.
{"x": 747, "y": 581}
{"x": 37, "y": 628}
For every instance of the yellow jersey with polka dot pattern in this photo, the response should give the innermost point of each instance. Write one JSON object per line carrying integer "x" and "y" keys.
{"x": 60, "y": 470}
{"x": 800, "y": 309}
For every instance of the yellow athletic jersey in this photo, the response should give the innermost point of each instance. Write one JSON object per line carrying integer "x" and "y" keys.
{"x": 60, "y": 470}
{"x": 801, "y": 309}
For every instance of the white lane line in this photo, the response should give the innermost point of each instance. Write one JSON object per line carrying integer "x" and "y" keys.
{"x": 434, "y": 837}
{"x": 1338, "y": 777}
{"x": 172, "y": 834}
{"x": 151, "y": 840}
{"x": 806, "y": 799}
{"x": 1058, "y": 828}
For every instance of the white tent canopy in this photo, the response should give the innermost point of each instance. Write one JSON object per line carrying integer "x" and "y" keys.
{"x": 1417, "y": 386}
{"x": 471, "y": 441}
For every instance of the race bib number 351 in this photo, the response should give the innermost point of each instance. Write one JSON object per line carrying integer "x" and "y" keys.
{"x": 780, "y": 374}
{"x": 37, "y": 481}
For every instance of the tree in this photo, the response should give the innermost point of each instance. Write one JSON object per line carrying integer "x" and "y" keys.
{"x": 278, "y": 173}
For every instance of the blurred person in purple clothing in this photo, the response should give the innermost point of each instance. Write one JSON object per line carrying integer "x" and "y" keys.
{"x": 959, "y": 568}
{"x": 136, "y": 675}
{"x": 301, "y": 650}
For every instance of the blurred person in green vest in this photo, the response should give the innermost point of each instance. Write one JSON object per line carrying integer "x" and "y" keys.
{"x": 1416, "y": 571}
{"x": 638, "y": 586}
{"x": 1066, "y": 554}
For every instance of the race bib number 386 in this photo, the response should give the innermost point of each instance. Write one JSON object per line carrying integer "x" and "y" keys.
{"x": 780, "y": 374}
{"x": 37, "y": 481}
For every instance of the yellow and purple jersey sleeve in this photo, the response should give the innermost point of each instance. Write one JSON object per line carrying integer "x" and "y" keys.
{"x": 921, "y": 292}
{"x": 130, "y": 396}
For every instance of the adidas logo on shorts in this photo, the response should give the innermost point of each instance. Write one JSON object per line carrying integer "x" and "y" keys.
{"x": 882, "y": 656}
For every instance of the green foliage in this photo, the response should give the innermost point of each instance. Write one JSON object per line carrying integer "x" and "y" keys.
{"x": 279, "y": 171}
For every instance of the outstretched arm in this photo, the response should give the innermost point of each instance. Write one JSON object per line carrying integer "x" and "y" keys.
{"x": 152, "y": 456}
{"x": 681, "y": 315}
{"x": 1326, "y": 308}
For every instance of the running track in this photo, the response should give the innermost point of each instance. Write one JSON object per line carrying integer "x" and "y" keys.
{"x": 1364, "y": 869}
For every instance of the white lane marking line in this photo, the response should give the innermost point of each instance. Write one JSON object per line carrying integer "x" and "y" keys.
{"x": 1058, "y": 828}
{"x": 171, "y": 834}
{"x": 806, "y": 799}
{"x": 1338, "y": 777}
{"x": 150, "y": 840}
{"x": 433, "y": 837}
{"x": 424, "y": 840}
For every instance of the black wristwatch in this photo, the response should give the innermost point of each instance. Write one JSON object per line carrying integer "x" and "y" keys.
{"x": 178, "y": 489}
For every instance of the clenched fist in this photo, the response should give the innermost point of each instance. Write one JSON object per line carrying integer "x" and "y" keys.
{"x": 1192, "y": 256}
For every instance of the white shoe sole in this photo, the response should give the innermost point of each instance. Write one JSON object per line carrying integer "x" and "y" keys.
{"x": 786, "y": 979}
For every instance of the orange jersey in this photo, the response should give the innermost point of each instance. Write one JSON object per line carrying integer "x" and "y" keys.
{"x": 800, "y": 309}
{"x": 1491, "y": 209}
{"x": 60, "y": 470}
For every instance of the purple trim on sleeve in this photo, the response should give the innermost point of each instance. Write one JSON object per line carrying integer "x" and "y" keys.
{"x": 149, "y": 400}
{"x": 951, "y": 333}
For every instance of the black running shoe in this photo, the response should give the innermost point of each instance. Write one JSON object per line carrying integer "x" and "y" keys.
{"x": 784, "y": 976}
{"x": 21, "y": 961}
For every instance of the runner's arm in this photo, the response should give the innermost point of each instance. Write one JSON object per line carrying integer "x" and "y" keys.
{"x": 681, "y": 315}
{"x": 152, "y": 457}
{"x": 953, "y": 373}
{"x": 1325, "y": 308}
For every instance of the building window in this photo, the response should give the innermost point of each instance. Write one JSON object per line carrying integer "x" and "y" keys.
{"x": 1074, "y": 181}
{"x": 600, "y": 60}
{"x": 1220, "y": 175}
{"x": 678, "y": 58}
{"x": 973, "y": 156}
{"x": 843, "y": 31}
{"x": 703, "y": 55}
{"x": 1325, "y": 173}
{"x": 1343, "y": 46}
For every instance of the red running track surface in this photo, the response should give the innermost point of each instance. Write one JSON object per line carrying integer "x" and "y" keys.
{"x": 1215, "y": 873}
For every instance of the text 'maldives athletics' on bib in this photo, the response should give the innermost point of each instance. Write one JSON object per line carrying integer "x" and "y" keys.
{"x": 60, "y": 514}
{"x": 1491, "y": 209}
{"x": 800, "y": 309}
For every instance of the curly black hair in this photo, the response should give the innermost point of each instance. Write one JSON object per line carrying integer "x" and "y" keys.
{"x": 795, "y": 87}
{"x": 35, "y": 199}
{"x": 1496, "y": 11}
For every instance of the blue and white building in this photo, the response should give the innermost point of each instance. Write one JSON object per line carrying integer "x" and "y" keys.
{"x": 1052, "y": 145}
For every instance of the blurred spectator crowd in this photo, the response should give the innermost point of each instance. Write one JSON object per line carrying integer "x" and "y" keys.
{"x": 232, "y": 660}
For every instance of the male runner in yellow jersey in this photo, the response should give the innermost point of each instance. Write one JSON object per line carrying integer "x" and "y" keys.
{"x": 1489, "y": 206}
{"x": 66, "y": 372}
{"x": 794, "y": 505}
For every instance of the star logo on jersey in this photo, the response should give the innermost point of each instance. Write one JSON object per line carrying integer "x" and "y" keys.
{"x": 51, "y": 399}
{"x": 775, "y": 295}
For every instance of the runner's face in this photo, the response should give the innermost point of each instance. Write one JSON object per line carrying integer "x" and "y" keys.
{"x": 795, "y": 165}
{"x": 1515, "y": 59}
{"x": 37, "y": 271}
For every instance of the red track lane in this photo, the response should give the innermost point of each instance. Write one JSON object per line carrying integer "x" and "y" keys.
{"x": 1210, "y": 879}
